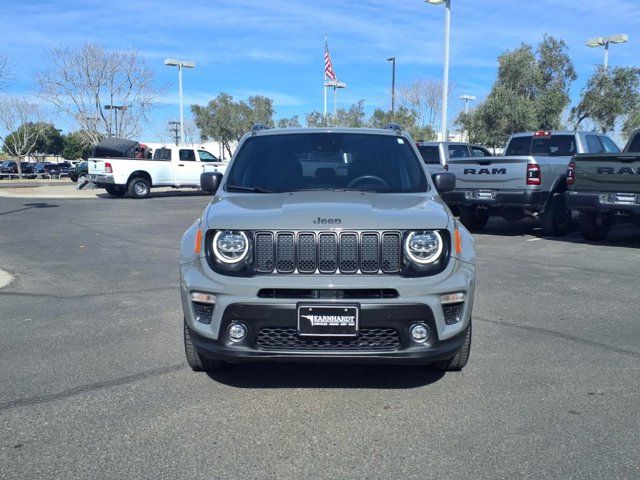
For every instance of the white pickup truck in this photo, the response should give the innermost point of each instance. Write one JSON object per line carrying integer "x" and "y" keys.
{"x": 170, "y": 166}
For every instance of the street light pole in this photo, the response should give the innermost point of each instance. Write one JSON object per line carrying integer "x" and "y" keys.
{"x": 114, "y": 111}
{"x": 605, "y": 41}
{"x": 445, "y": 75}
{"x": 172, "y": 62}
{"x": 393, "y": 82}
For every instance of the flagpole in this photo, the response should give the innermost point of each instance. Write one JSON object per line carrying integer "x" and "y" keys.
{"x": 324, "y": 79}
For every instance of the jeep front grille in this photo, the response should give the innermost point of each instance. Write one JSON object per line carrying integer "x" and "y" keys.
{"x": 328, "y": 252}
{"x": 369, "y": 339}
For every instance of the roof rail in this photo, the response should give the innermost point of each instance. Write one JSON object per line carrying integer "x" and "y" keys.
{"x": 392, "y": 126}
{"x": 259, "y": 126}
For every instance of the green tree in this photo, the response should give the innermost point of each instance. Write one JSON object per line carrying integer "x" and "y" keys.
{"x": 354, "y": 117}
{"x": 293, "y": 122}
{"x": 50, "y": 142}
{"x": 531, "y": 92}
{"x": 226, "y": 120}
{"x": 607, "y": 96}
{"x": 76, "y": 146}
{"x": 406, "y": 118}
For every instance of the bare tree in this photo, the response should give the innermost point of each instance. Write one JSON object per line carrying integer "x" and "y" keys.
{"x": 82, "y": 81}
{"x": 5, "y": 71}
{"x": 21, "y": 128}
{"x": 424, "y": 97}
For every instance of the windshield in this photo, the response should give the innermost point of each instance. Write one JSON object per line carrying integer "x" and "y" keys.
{"x": 327, "y": 161}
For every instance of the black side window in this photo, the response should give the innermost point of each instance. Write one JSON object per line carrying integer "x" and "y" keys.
{"x": 519, "y": 146}
{"x": 429, "y": 154}
{"x": 162, "y": 154}
{"x": 458, "y": 151}
{"x": 609, "y": 145}
{"x": 593, "y": 144}
{"x": 635, "y": 143}
{"x": 187, "y": 155}
{"x": 479, "y": 152}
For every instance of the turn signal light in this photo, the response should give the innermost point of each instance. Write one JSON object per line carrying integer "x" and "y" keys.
{"x": 457, "y": 241}
{"x": 198, "y": 246}
{"x": 108, "y": 168}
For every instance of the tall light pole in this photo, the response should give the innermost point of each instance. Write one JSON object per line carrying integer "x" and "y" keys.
{"x": 393, "y": 82}
{"x": 172, "y": 62}
{"x": 445, "y": 75}
{"x": 605, "y": 41}
{"x": 467, "y": 99}
{"x": 115, "y": 109}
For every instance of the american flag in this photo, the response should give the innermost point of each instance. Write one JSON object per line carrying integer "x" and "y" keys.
{"x": 328, "y": 66}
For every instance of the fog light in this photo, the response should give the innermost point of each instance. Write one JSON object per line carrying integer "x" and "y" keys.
{"x": 237, "y": 332}
{"x": 452, "y": 298}
{"x": 203, "y": 297}
{"x": 420, "y": 333}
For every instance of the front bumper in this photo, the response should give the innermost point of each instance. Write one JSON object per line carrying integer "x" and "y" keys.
{"x": 499, "y": 198}
{"x": 600, "y": 202}
{"x": 418, "y": 301}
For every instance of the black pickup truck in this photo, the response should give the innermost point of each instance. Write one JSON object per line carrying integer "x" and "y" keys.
{"x": 605, "y": 188}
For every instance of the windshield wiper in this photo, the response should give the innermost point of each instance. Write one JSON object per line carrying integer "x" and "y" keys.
{"x": 241, "y": 188}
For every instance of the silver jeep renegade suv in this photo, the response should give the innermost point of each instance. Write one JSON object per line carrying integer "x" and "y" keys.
{"x": 327, "y": 245}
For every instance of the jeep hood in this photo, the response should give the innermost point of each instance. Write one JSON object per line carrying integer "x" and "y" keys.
{"x": 345, "y": 210}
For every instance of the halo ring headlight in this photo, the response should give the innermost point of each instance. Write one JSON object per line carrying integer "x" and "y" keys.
{"x": 230, "y": 246}
{"x": 424, "y": 247}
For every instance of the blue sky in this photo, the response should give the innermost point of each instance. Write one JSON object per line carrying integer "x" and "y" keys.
{"x": 275, "y": 47}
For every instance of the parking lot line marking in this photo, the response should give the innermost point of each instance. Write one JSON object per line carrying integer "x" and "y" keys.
{"x": 533, "y": 239}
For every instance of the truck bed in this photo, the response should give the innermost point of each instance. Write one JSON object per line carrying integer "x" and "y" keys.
{"x": 607, "y": 172}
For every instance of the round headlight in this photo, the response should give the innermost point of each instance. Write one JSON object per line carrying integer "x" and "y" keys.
{"x": 230, "y": 246}
{"x": 423, "y": 247}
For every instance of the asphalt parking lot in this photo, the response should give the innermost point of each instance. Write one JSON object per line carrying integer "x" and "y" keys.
{"x": 95, "y": 384}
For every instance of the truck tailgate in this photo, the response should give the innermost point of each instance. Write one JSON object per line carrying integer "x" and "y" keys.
{"x": 490, "y": 172}
{"x": 613, "y": 172}
{"x": 95, "y": 166}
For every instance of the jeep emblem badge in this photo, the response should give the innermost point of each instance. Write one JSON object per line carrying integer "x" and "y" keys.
{"x": 327, "y": 221}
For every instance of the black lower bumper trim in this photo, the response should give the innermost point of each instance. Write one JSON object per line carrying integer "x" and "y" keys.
{"x": 591, "y": 202}
{"x": 502, "y": 198}
{"x": 372, "y": 316}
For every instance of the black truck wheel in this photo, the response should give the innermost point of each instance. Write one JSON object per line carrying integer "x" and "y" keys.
{"x": 556, "y": 217}
{"x": 458, "y": 362}
{"x": 196, "y": 361}
{"x": 593, "y": 225}
{"x": 138, "y": 187}
{"x": 474, "y": 218}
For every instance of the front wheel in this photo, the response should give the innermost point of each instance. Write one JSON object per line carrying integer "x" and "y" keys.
{"x": 593, "y": 225}
{"x": 139, "y": 188}
{"x": 556, "y": 216}
{"x": 458, "y": 362}
{"x": 474, "y": 218}
{"x": 197, "y": 362}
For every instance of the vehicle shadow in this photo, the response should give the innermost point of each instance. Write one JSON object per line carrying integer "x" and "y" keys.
{"x": 325, "y": 375}
{"x": 29, "y": 206}
{"x": 621, "y": 235}
{"x": 152, "y": 195}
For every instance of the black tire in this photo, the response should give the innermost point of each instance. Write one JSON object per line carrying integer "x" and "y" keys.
{"x": 556, "y": 217}
{"x": 197, "y": 362}
{"x": 593, "y": 225}
{"x": 138, "y": 187}
{"x": 116, "y": 190}
{"x": 474, "y": 218}
{"x": 457, "y": 362}
{"x": 73, "y": 178}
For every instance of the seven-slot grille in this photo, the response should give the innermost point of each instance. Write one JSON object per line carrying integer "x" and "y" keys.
{"x": 328, "y": 252}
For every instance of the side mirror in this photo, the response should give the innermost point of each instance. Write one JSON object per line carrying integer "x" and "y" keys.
{"x": 210, "y": 181}
{"x": 444, "y": 181}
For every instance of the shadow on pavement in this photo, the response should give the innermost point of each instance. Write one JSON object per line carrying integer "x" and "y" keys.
{"x": 28, "y": 206}
{"x": 152, "y": 195}
{"x": 325, "y": 375}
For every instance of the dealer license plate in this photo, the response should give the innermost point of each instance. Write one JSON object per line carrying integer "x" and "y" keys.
{"x": 328, "y": 320}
